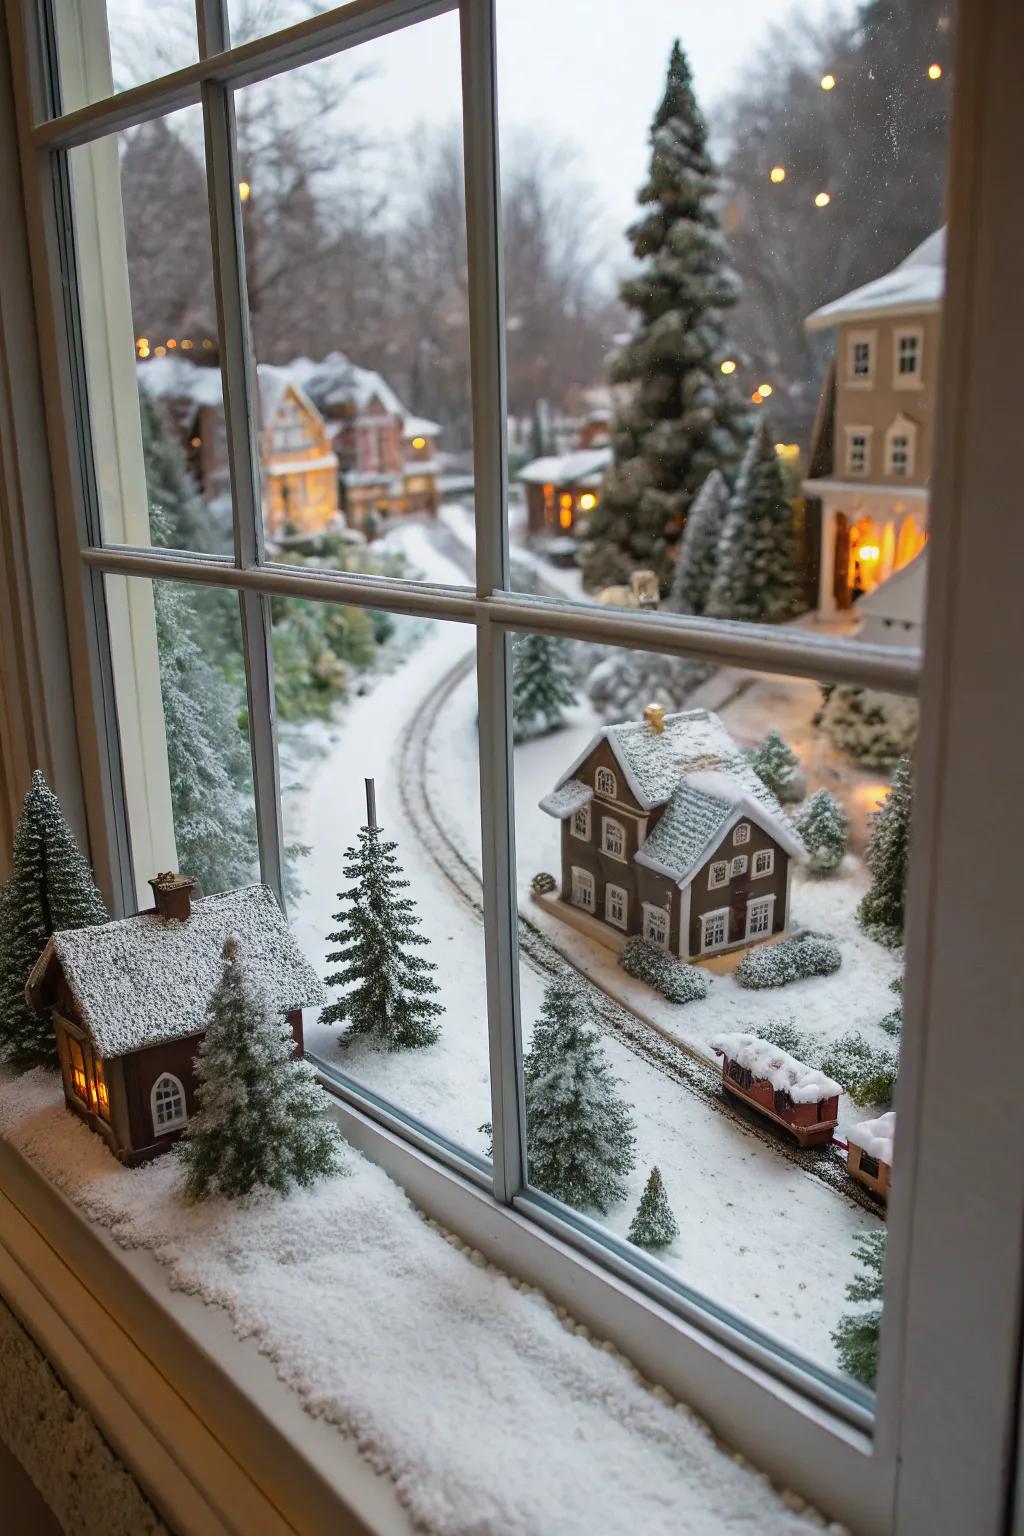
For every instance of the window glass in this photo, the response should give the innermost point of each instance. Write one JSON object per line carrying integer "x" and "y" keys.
{"x": 107, "y": 46}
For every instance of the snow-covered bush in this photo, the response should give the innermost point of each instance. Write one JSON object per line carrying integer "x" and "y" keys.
{"x": 793, "y": 959}
{"x": 543, "y": 883}
{"x": 875, "y": 728}
{"x": 778, "y": 767}
{"x": 784, "y": 1034}
{"x": 824, "y": 829}
{"x": 892, "y": 1023}
{"x": 674, "y": 979}
{"x": 867, "y": 1072}
{"x": 624, "y": 682}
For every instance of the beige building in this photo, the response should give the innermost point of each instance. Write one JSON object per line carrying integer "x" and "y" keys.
{"x": 871, "y": 458}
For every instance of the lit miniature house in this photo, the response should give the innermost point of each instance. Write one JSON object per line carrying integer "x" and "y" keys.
{"x": 128, "y": 1001}
{"x": 869, "y": 1153}
{"x": 668, "y": 832}
{"x": 802, "y": 1100}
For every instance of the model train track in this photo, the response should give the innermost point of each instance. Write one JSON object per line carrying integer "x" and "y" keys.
{"x": 667, "y": 1055}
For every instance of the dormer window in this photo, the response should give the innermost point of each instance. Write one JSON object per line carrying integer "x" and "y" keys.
{"x": 604, "y": 783}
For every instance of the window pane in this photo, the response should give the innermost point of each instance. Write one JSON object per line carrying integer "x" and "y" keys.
{"x": 146, "y": 298}
{"x": 366, "y": 695}
{"x": 695, "y": 944}
{"x": 354, "y": 224}
{"x": 108, "y": 46}
{"x": 687, "y": 252}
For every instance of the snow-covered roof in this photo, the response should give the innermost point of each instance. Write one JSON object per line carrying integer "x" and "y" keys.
{"x": 700, "y": 811}
{"x": 147, "y": 979}
{"x": 767, "y": 1063}
{"x": 337, "y": 381}
{"x": 176, "y": 378}
{"x": 567, "y": 799}
{"x": 300, "y": 466}
{"x": 875, "y": 1137}
{"x": 567, "y": 468}
{"x": 915, "y": 286}
{"x": 420, "y": 426}
{"x": 900, "y": 598}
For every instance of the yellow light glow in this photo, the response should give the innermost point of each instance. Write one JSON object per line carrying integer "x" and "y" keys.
{"x": 142, "y": 341}
{"x": 588, "y": 501}
{"x": 828, "y": 82}
{"x": 171, "y": 344}
{"x": 159, "y": 351}
{"x": 757, "y": 397}
{"x": 565, "y": 500}
{"x": 196, "y": 441}
{"x": 244, "y": 190}
{"x": 187, "y": 345}
{"x": 787, "y": 450}
{"x": 419, "y": 442}
{"x": 764, "y": 389}
{"x": 934, "y": 71}
{"x": 868, "y": 552}
{"x": 565, "y": 515}
{"x": 777, "y": 173}
{"x": 822, "y": 200}
{"x": 143, "y": 351}
{"x": 728, "y": 366}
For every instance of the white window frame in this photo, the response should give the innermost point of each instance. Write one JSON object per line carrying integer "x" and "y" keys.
{"x": 659, "y": 918}
{"x": 741, "y": 833}
{"x": 583, "y": 832}
{"x": 913, "y": 380}
{"x": 616, "y": 895}
{"x": 709, "y": 917}
{"x": 769, "y": 869}
{"x": 164, "y": 1127}
{"x": 612, "y": 825}
{"x": 945, "y": 1415}
{"x": 718, "y": 874}
{"x": 865, "y": 469}
{"x": 855, "y": 339}
{"x": 605, "y": 783}
{"x": 760, "y": 904}
{"x": 902, "y": 427}
{"x": 582, "y": 882}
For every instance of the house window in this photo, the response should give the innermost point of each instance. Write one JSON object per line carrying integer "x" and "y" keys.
{"x": 741, "y": 1076}
{"x": 714, "y": 930}
{"x": 167, "y": 1101}
{"x": 605, "y": 783}
{"x": 616, "y": 905}
{"x": 613, "y": 838}
{"x": 861, "y": 357}
{"x": 583, "y": 889}
{"x": 718, "y": 874}
{"x": 102, "y": 1093}
{"x": 741, "y": 833}
{"x": 907, "y": 359}
{"x": 739, "y": 866}
{"x": 764, "y": 862}
{"x": 581, "y": 823}
{"x": 857, "y": 462}
{"x": 655, "y": 925}
{"x": 899, "y": 448}
{"x": 869, "y": 1165}
{"x": 78, "y": 1079}
{"x": 759, "y": 916}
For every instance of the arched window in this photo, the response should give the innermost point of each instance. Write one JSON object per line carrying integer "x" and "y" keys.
{"x": 604, "y": 782}
{"x": 167, "y": 1101}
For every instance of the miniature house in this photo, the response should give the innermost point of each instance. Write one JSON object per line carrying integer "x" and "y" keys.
{"x": 869, "y": 1153}
{"x": 803, "y": 1101}
{"x": 561, "y": 489}
{"x": 668, "y": 832}
{"x": 128, "y": 1001}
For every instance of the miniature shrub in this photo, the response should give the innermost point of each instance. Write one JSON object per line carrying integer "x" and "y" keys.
{"x": 867, "y": 1073}
{"x": 892, "y": 1023}
{"x": 675, "y": 980}
{"x": 794, "y": 959}
{"x": 543, "y": 883}
{"x": 824, "y": 828}
{"x": 875, "y": 728}
{"x": 784, "y": 1034}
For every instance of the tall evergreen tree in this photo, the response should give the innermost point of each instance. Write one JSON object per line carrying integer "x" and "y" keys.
{"x": 262, "y": 1118}
{"x": 579, "y": 1133}
{"x": 178, "y": 517}
{"x": 758, "y": 574}
{"x": 541, "y": 685}
{"x": 51, "y": 888}
{"x": 392, "y": 990}
{"x": 654, "y": 1225}
{"x": 881, "y": 912}
{"x": 856, "y": 1334}
{"x": 684, "y": 418}
{"x": 698, "y": 552}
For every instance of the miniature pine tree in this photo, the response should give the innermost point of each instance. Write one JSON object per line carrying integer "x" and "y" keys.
{"x": 262, "y": 1118}
{"x": 178, "y": 518}
{"x": 392, "y": 999}
{"x": 824, "y": 828}
{"x": 778, "y": 767}
{"x": 856, "y": 1334}
{"x": 698, "y": 552}
{"x": 757, "y": 575}
{"x": 541, "y": 685}
{"x": 683, "y": 418}
{"x": 50, "y": 888}
{"x": 881, "y": 911}
{"x": 654, "y": 1225}
{"x": 892, "y": 1022}
{"x": 579, "y": 1133}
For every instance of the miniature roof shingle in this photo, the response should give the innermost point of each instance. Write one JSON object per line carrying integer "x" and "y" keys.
{"x": 146, "y": 979}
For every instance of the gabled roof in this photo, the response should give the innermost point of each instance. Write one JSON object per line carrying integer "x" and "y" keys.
{"x": 144, "y": 980}
{"x": 567, "y": 468}
{"x": 915, "y": 286}
{"x": 420, "y": 426}
{"x": 701, "y": 810}
{"x": 175, "y": 378}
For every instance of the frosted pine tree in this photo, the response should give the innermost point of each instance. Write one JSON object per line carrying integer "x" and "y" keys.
{"x": 262, "y": 1119}
{"x": 778, "y": 767}
{"x": 881, "y": 911}
{"x": 824, "y": 829}
{"x": 542, "y": 686}
{"x": 698, "y": 552}
{"x": 654, "y": 1225}
{"x": 579, "y": 1133}
{"x": 50, "y": 888}
{"x": 856, "y": 1335}
{"x": 757, "y": 576}
{"x": 624, "y": 682}
{"x": 391, "y": 996}
{"x": 684, "y": 419}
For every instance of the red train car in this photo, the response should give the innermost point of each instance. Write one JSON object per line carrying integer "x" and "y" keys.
{"x": 802, "y": 1100}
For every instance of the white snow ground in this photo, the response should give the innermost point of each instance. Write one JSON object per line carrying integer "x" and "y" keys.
{"x": 486, "y": 1410}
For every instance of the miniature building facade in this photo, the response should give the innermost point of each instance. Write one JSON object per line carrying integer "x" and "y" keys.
{"x": 667, "y": 832}
{"x": 869, "y": 1153}
{"x": 562, "y": 489}
{"x": 800, "y": 1099}
{"x": 871, "y": 458}
{"x": 128, "y": 1002}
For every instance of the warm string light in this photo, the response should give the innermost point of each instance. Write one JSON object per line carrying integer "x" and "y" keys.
{"x": 588, "y": 501}
{"x": 777, "y": 173}
{"x": 827, "y": 82}
{"x": 757, "y": 397}
{"x": 728, "y": 366}
{"x": 419, "y": 442}
{"x": 934, "y": 71}
{"x": 822, "y": 200}
{"x": 764, "y": 389}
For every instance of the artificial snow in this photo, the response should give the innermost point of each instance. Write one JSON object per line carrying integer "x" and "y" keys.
{"x": 488, "y": 1410}
{"x": 767, "y": 1063}
{"x": 875, "y": 1137}
{"x": 571, "y": 796}
{"x": 917, "y": 282}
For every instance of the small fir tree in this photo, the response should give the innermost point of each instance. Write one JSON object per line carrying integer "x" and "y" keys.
{"x": 392, "y": 991}
{"x": 881, "y": 912}
{"x": 541, "y": 685}
{"x": 778, "y": 767}
{"x": 51, "y": 888}
{"x": 262, "y": 1120}
{"x": 856, "y": 1334}
{"x": 824, "y": 828}
{"x": 698, "y": 552}
{"x": 757, "y": 575}
{"x": 892, "y": 1022}
{"x": 579, "y": 1133}
{"x": 684, "y": 418}
{"x": 654, "y": 1225}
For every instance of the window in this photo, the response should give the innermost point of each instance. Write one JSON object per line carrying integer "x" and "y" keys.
{"x": 742, "y": 1076}
{"x": 899, "y": 447}
{"x": 738, "y": 866}
{"x": 604, "y": 783}
{"x": 764, "y": 862}
{"x": 616, "y": 905}
{"x": 860, "y": 357}
{"x": 907, "y": 349}
{"x": 583, "y": 889}
{"x": 714, "y": 929}
{"x": 655, "y": 925}
{"x": 868, "y": 1165}
{"x": 167, "y": 1101}
{"x": 858, "y": 460}
{"x": 77, "y": 1060}
{"x": 741, "y": 833}
{"x": 718, "y": 874}
{"x": 581, "y": 823}
{"x": 613, "y": 838}
{"x": 102, "y": 1093}
{"x": 759, "y": 916}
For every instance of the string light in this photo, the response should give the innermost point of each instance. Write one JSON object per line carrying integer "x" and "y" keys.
{"x": 159, "y": 351}
{"x": 171, "y": 344}
{"x": 777, "y": 173}
{"x": 187, "y": 345}
{"x": 207, "y": 344}
{"x": 828, "y": 82}
{"x": 588, "y": 501}
{"x": 757, "y": 397}
{"x": 764, "y": 389}
{"x": 728, "y": 366}
{"x": 934, "y": 71}
{"x": 244, "y": 190}
{"x": 142, "y": 341}
{"x": 196, "y": 442}
{"x": 822, "y": 200}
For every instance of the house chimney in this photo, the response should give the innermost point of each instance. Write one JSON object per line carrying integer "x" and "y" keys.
{"x": 172, "y": 895}
{"x": 654, "y": 714}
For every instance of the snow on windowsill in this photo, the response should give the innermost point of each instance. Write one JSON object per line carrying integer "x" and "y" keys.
{"x": 412, "y": 1347}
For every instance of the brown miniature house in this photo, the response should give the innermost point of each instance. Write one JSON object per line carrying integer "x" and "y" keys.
{"x": 869, "y": 1153}
{"x": 668, "y": 832}
{"x": 803, "y": 1101}
{"x": 128, "y": 1001}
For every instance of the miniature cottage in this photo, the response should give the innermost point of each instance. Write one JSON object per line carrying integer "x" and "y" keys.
{"x": 128, "y": 1001}
{"x": 668, "y": 832}
{"x": 869, "y": 1153}
{"x": 802, "y": 1100}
